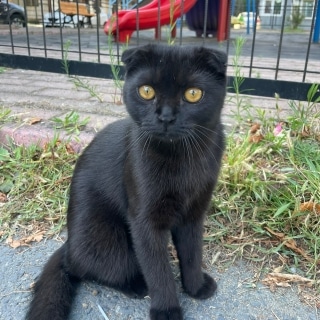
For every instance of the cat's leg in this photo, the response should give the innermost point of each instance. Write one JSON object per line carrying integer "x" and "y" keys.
{"x": 115, "y": 266}
{"x": 188, "y": 242}
{"x": 151, "y": 250}
{"x": 101, "y": 249}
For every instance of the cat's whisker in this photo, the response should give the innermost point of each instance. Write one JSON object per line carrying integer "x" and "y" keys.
{"x": 146, "y": 143}
{"x": 208, "y": 137}
{"x": 196, "y": 145}
{"x": 186, "y": 146}
{"x": 135, "y": 142}
{"x": 204, "y": 128}
{"x": 197, "y": 136}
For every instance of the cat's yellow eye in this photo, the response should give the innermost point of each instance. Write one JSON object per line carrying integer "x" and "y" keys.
{"x": 193, "y": 95}
{"x": 146, "y": 92}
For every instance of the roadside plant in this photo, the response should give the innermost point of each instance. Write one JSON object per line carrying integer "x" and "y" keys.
{"x": 4, "y": 114}
{"x": 296, "y": 17}
{"x": 71, "y": 123}
{"x": 305, "y": 117}
{"x": 34, "y": 184}
{"x": 172, "y": 23}
{"x": 238, "y": 99}
{"x": 115, "y": 69}
{"x": 269, "y": 197}
{"x": 78, "y": 82}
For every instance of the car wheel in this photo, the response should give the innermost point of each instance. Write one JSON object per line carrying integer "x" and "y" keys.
{"x": 17, "y": 20}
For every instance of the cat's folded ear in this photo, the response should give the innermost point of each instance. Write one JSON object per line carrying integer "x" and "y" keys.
{"x": 128, "y": 55}
{"x": 135, "y": 56}
{"x": 214, "y": 58}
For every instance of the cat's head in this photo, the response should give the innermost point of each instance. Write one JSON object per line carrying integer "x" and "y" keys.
{"x": 169, "y": 90}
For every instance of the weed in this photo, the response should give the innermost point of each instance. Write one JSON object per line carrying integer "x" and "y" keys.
{"x": 115, "y": 68}
{"x": 305, "y": 118}
{"x": 65, "y": 57}
{"x": 85, "y": 84}
{"x": 71, "y": 123}
{"x": 268, "y": 201}
{"x": 77, "y": 81}
{"x": 240, "y": 102}
{"x": 296, "y": 17}
{"x": 35, "y": 182}
{"x": 172, "y": 23}
{"x": 4, "y": 114}
{"x": 2, "y": 69}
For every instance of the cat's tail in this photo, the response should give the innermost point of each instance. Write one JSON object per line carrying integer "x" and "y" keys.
{"x": 53, "y": 291}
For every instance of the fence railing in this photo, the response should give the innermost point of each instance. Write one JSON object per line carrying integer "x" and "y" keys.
{"x": 275, "y": 58}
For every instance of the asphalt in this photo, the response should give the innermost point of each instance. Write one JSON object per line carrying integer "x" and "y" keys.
{"x": 30, "y": 95}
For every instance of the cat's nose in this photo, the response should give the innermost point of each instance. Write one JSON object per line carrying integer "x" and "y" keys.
{"x": 167, "y": 116}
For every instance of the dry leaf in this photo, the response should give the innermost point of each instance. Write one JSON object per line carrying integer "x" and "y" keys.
{"x": 254, "y": 128}
{"x": 14, "y": 243}
{"x": 310, "y": 206}
{"x": 25, "y": 241}
{"x": 305, "y": 133}
{"x": 38, "y": 237}
{"x": 69, "y": 148}
{"x": 3, "y": 197}
{"x": 278, "y": 269}
{"x": 255, "y": 133}
{"x": 275, "y": 279}
{"x": 279, "y": 235}
{"x": 34, "y": 120}
{"x": 257, "y": 137}
{"x": 289, "y": 243}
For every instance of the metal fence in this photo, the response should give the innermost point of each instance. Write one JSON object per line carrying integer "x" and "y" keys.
{"x": 275, "y": 58}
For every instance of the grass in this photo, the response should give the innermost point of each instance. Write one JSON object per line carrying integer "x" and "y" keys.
{"x": 71, "y": 123}
{"x": 268, "y": 198}
{"x": 267, "y": 203}
{"x": 34, "y": 186}
{"x": 79, "y": 83}
{"x": 4, "y": 115}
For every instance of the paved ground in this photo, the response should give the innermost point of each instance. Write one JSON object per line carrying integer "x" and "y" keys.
{"x": 33, "y": 94}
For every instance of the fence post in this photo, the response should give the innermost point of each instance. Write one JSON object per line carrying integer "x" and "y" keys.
{"x": 317, "y": 24}
{"x": 223, "y": 21}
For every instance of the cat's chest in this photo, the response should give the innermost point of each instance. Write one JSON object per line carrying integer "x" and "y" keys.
{"x": 167, "y": 192}
{"x": 174, "y": 177}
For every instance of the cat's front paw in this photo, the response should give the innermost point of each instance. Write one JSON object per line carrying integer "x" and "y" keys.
{"x": 170, "y": 314}
{"x": 207, "y": 289}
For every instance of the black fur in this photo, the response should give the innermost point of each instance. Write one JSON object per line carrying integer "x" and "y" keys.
{"x": 141, "y": 180}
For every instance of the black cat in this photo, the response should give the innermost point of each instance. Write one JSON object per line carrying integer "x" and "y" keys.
{"x": 141, "y": 180}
